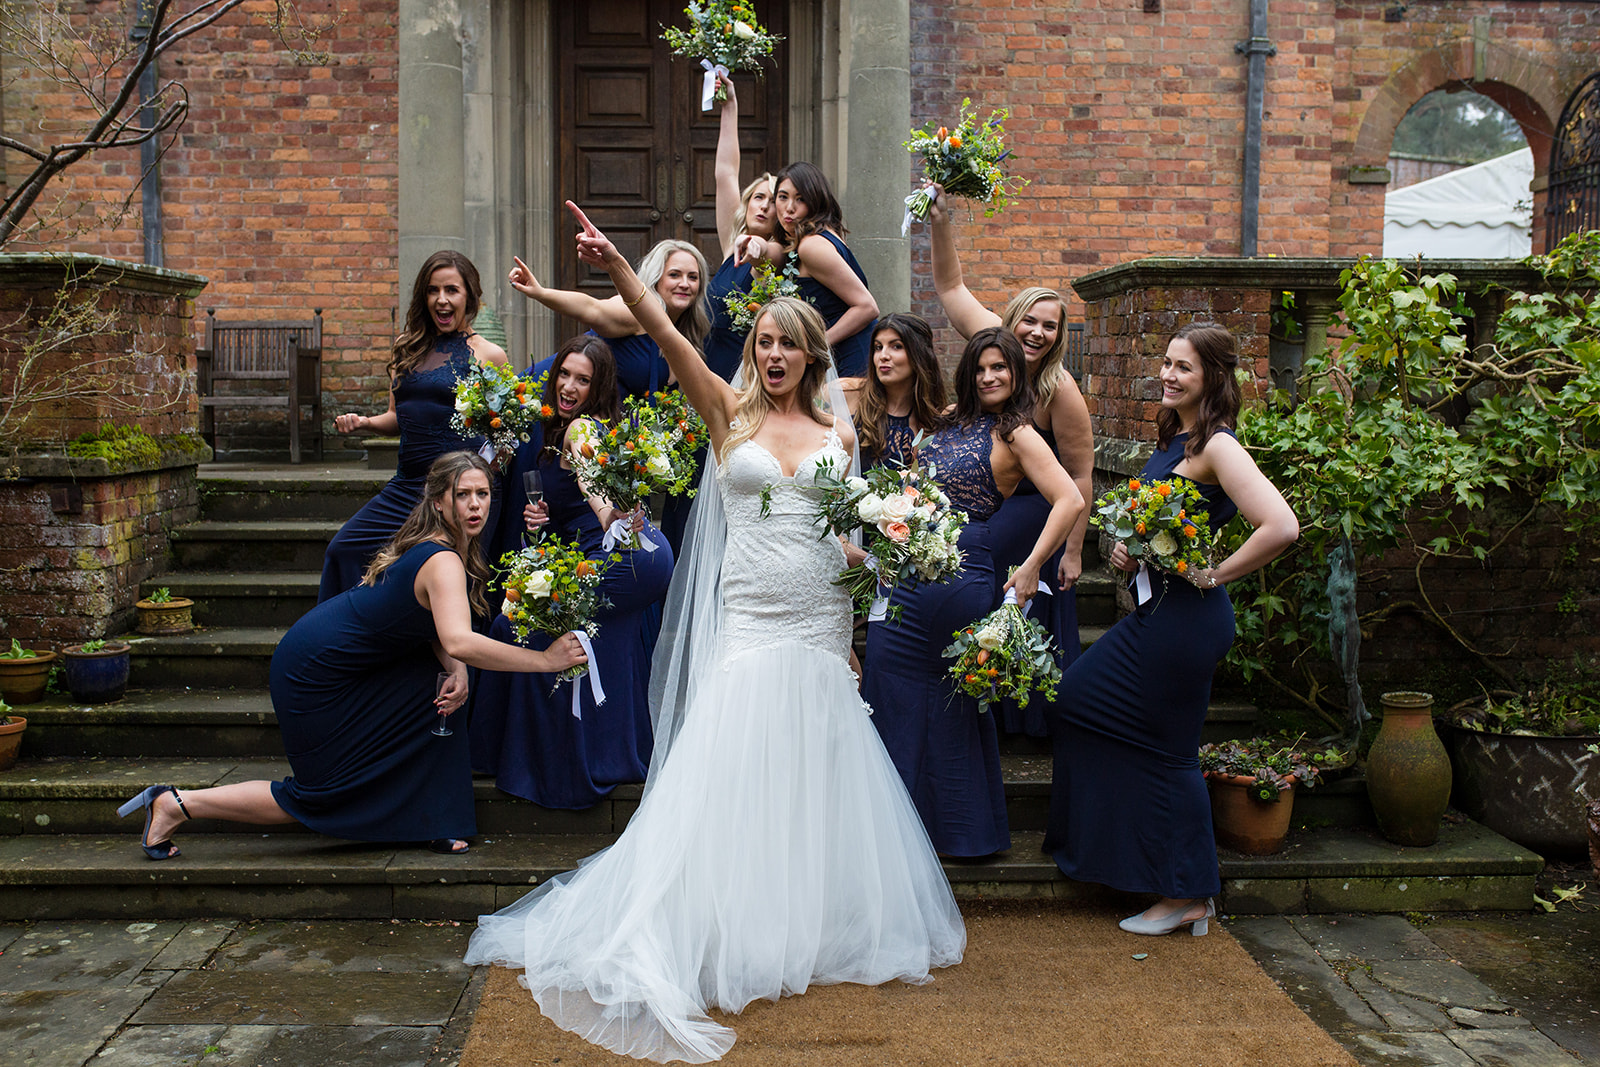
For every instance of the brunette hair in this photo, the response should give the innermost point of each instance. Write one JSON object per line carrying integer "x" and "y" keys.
{"x": 601, "y": 404}
{"x": 741, "y": 212}
{"x": 811, "y": 185}
{"x": 1219, "y": 397}
{"x": 427, "y": 523}
{"x": 420, "y": 335}
{"x": 927, "y": 391}
{"x": 695, "y": 322}
{"x": 1018, "y": 408}
{"x": 801, "y": 323}
{"x": 1052, "y": 365}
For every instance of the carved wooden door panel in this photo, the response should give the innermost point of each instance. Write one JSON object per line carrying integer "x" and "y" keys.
{"x": 634, "y": 149}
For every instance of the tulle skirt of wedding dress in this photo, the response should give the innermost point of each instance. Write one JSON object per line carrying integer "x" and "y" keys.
{"x": 775, "y": 849}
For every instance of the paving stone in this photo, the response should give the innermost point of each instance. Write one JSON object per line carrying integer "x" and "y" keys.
{"x": 9, "y": 932}
{"x": 1441, "y": 982}
{"x": 58, "y": 1027}
{"x": 82, "y": 955}
{"x": 331, "y": 947}
{"x": 271, "y": 1046}
{"x": 1315, "y": 987}
{"x": 1401, "y": 1013}
{"x": 1472, "y": 1019}
{"x": 193, "y": 946}
{"x": 1409, "y": 1050}
{"x": 1366, "y": 938}
{"x": 1511, "y": 1048}
{"x": 267, "y": 998}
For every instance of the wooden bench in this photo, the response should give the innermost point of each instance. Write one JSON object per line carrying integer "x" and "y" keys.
{"x": 285, "y": 352}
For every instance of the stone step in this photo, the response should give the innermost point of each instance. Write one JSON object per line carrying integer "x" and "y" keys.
{"x": 383, "y": 453}
{"x": 209, "y": 657}
{"x": 88, "y": 876}
{"x": 221, "y": 599}
{"x": 235, "y": 491}
{"x": 255, "y": 545}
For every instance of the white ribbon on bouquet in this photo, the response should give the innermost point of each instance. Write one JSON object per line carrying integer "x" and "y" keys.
{"x": 708, "y": 88}
{"x": 593, "y": 675}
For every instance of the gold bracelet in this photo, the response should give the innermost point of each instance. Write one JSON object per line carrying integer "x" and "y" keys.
{"x": 635, "y": 300}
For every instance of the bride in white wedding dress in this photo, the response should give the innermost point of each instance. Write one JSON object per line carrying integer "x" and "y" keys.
{"x": 775, "y": 847}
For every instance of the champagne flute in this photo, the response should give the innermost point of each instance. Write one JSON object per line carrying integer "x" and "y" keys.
{"x": 533, "y": 486}
{"x": 443, "y": 729}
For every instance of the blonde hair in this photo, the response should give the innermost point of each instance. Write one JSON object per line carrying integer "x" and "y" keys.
{"x": 428, "y": 523}
{"x": 798, "y": 321}
{"x": 743, "y": 209}
{"x": 1052, "y": 366}
{"x": 694, "y": 323}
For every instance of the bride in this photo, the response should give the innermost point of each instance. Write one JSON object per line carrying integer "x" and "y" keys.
{"x": 775, "y": 846}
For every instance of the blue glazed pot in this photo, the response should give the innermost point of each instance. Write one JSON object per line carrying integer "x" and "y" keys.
{"x": 96, "y": 677}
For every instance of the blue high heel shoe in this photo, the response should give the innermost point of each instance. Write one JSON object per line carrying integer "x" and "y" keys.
{"x": 161, "y": 850}
{"x": 1199, "y": 926}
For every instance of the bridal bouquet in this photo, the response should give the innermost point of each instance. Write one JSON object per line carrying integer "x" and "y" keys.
{"x": 965, "y": 161}
{"x": 492, "y": 401}
{"x": 765, "y": 283}
{"x": 649, "y": 449}
{"x": 1004, "y": 654}
{"x": 911, "y": 530}
{"x": 552, "y": 587}
{"x": 1163, "y": 523}
{"x": 724, "y": 36}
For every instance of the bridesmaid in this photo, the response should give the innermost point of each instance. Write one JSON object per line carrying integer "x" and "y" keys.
{"x": 437, "y": 345}
{"x": 811, "y": 227}
{"x": 674, "y": 272}
{"x": 739, "y": 214}
{"x": 1061, "y": 417}
{"x": 903, "y": 393}
{"x": 523, "y": 733}
{"x": 947, "y": 752}
{"x": 1128, "y": 806}
{"x": 354, "y": 684}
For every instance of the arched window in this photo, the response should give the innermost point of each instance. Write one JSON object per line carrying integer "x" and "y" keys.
{"x": 1573, "y": 203}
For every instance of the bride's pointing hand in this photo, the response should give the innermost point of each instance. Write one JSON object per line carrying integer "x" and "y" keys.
{"x": 593, "y": 246}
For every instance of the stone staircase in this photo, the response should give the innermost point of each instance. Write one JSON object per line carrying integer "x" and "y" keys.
{"x": 198, "y": 714}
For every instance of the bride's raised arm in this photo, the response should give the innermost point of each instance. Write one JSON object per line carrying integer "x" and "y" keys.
{"x": 712, "y": 397}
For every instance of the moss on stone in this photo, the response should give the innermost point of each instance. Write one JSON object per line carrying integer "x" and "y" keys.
{"x": 128, "y": 447}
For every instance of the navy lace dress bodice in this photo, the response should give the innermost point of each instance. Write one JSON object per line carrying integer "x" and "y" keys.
{"x": 897, "y": 438}
{"x": 851, "y": 354}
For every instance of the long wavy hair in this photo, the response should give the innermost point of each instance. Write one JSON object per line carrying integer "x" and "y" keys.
{"x": 427, "y": 523}
{"x": 1018, "y": 408}
{"x": 602, "y": 401}
{"x": 1052, "y": 365}
{"x": 798, "y": 321}
{"x": 812, "y": 187}
{"x": 695, "y": 322}
{"x": 420, "y": 336}
{"x": 928, "y": 398}
{"x": 762, "y": 180}
{"x": 1219, "y": 397}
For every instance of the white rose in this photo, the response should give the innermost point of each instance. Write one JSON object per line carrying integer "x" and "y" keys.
{"x": 660, "y": 466}
{"x": 896, "y": 508}
{"x": 856, "y": 485}
{"x": 1163, "y": 544}
{"x": 538, "y": 584}
{"x": 990, "y": 637}
{"x": 927, "y": 512}
{"x": 743, "y": 30}
{"x": 506, "y": 607}
{"x": 463, "y": 403}
{"x": 870, "y": 507}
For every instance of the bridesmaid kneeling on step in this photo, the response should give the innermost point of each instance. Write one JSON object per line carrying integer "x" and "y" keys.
{"x": 357, "y": 688}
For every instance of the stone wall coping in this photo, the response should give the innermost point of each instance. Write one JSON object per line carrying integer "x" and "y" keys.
{"x": 51, "y": 268}
{"x": 1270, "y": 272}
{"x": 58, "y": 466}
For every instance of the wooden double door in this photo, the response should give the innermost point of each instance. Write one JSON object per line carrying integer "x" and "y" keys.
{"x": 635, "y": 151}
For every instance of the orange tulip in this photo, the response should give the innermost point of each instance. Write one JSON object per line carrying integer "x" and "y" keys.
{"x": 512, "y": 593}
{"x": 1138, "y": 528}
{"x": 943, "y": 133}
{"x": 983, "y": 656}
{"x": 495, "y": 423}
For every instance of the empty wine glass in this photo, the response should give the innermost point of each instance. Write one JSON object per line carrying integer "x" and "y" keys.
{"x": 443, "y": 729}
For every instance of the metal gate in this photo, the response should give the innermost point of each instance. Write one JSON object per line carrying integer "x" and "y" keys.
{"x": 1573, "y": 203}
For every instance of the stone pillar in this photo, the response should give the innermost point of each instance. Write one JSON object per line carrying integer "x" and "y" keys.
{"x": 1319, "y": 305}
{"x": 875, "y": 173}
{"x": 432, "y": 135}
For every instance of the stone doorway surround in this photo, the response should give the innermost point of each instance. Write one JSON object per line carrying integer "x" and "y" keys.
{"x": 478, "y": 133}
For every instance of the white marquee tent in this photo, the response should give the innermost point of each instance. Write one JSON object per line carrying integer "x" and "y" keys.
{"x": 1484, "y": 211}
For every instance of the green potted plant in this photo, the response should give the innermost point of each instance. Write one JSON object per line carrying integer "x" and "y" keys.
{"x": 1527, "y": 764}
{"x": 97, "y": 671}
{"x": 24, "y": 672}
{"x": 163, "y": 613}
{"x": 11, "y": 727}
{"x": 1252, "y": 783}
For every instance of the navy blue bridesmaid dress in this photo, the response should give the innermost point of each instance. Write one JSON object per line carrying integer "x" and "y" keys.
{"x": 851, "y": 354}
{"x": 724, "y": 344}
{"x": 947, "y": 752}
{"x": 1014, "y": 531}
{"x": 424, "y": 401}
{"x": 352, "y": 685}
{"x": 528, "y": 738}
{"x": 641, "y": 368}
{"x": 1128, "y": 805}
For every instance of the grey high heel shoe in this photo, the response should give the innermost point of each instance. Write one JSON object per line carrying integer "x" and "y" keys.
{"x": 1138, "y": 924}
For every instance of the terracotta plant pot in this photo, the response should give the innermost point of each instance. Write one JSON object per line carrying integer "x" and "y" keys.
{"x": 22, "y": 681}
{"x": 171, "y": 617}
{"x": 11, "y": 741}
{"x": 1245, "y": 824}
{"x": 1408, "y": 771}
{"x": 97, "y": 677}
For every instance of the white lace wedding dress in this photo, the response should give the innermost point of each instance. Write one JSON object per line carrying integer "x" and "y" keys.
{"x": 775, "y": 848}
